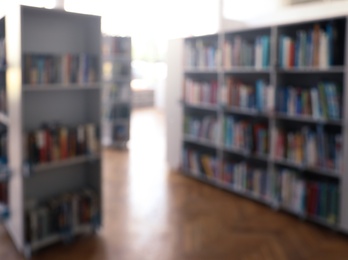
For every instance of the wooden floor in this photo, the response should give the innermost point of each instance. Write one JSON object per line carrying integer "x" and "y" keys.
{"x": 150, "y": 214}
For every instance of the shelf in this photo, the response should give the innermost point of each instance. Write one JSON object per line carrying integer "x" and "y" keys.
{"x": 245, "y": 111}
{"x": 308, "y": 217}
{"x": 202, "y": 106}
{"x": 333, "y": 69}
{"x": 200, "y": 141}
{"x": 247, "y": 70}
{"x": 246, "y": 153}
{"x": 230, "y": 188}
{"x": 308, "y": 119}
{"x": 302, "y": 167}
{"x": 61, "y": 87}
{"x": 64, "y": 163}
{"x": 4, "y": 212}
{"x": 83, "y": 229}
{"x": 201, "y": 70}
{"x": 4, "y": 118}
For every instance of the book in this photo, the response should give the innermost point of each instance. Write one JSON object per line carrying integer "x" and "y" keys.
{"x": 54, "y": 142}
{"x": 200, "y": 92}
{"x": 41, "y": 69}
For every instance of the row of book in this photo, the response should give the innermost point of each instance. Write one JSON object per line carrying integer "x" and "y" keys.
{"x": 240, "y": 52}
{"x": 320, "y": 102}
{"x": 313, "y": 198}
{"x": 200, "y": 163}
{"x": 61, "y": 215}
{"x": 54, "y": 142}
{"x": 201, "y": 54}
{"x": 60, "y": 69}
{"x": 202, "y": 127}
{"x": 246, "y": 96}
{"x": 309, "y": 48}
{"x": 245, "y": 177}
{"x": 116, "y": 45}
{"x": 244, "y": 135}
{"x": 201, "y": 92}
{"x": 310, "y": 147}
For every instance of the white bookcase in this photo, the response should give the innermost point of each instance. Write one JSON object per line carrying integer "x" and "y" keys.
{"x": 117, "y": 95}
{"x": 36, "y": 31}
{"x": 258, "y": 173}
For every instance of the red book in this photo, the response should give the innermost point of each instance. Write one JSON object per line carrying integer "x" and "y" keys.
{"x": 292, "y": 54}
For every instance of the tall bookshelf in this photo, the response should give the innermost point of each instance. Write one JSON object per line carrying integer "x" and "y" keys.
{"x": 4, "y": 170}
{"x": 117, "y": 57}
{"x": 54, "y": 104}
{"x": 265, "y": 116}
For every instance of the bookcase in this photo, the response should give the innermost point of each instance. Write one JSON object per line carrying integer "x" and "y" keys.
{"x": 53, "y": 77}
{"x": 265, "y": 116}
{"x": 4, "y": 170}
{"x": 117, "y": 57}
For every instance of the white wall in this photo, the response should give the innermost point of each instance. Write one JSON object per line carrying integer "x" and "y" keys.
{"x": 173, "y": 108}
{"x": 279, "y": 11}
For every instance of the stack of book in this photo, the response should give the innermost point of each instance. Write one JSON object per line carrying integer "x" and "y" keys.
{"x": 320, "y": 102}
{"x": 64, "y": 69}
{"x": 309, "y": 48}
{"x": 310, "y": 147}
{"x": 313, "y": 198}
{"x": 240, "y": 52}
{"x": 201, "y": 92}
{"x": 246, "y": 178}
{"x": 202, "y": 127}
{"x": 200, "y": 163}
{"x": 201, "y": 54}
{"x": 61, "y": 215}
{"x": 54, "y": 142}
{"x": 256, "y": 97}
{"x": 243, "y": 135}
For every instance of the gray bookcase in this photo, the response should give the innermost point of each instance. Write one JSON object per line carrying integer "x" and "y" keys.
{"x": 117, "y": 74}
{"x": 35, "y": 31}
{"x": 287, "y": 180}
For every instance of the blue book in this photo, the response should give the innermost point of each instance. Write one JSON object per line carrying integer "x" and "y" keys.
{"x": 329, "y": 33}
{"x": 280, "y": 54}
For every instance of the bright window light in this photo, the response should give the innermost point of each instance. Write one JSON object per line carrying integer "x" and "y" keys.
{"x": 49, "y": 4}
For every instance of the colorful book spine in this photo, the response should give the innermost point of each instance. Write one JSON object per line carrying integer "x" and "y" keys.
{"x": 199, "y": 163}
{"x": 308, "y": 48}
{"x": 311, "y": 198}
{"x": 53, "y": 142}
{"x": 239, "y": 52}
{"x": 202, "y": 127}
{"x": 65, "y": 69}
{"x": 201, "y": 54}
{"x": 320, "y": 102}
{"x": 246, "y": 96}
{"x": 243, "y": 177}
{"x": 201, "y": 92}
{"x": 243, "y": 135}
{"x": 310, "y": 147}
